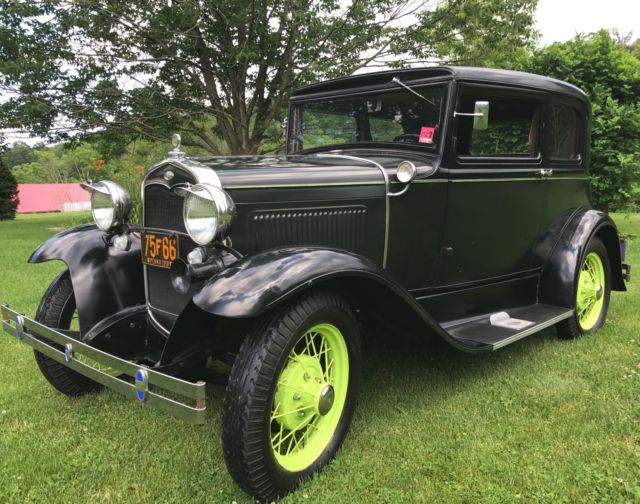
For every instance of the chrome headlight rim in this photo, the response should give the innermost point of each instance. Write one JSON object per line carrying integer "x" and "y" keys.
{"x": 120, "y": 200}
{"x": 222, "y": 212}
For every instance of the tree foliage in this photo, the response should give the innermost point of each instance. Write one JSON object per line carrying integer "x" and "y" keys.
{"x": 219, "y": 72}
{"x": 487, "y": 33}
{"x": 610, "y": 75}
{"x": 8, "y": 192}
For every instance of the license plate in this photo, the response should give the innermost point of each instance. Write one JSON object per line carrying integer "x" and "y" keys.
{"x": 159, "y": 249}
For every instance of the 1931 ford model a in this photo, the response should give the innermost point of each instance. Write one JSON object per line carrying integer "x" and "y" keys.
{"x": 453, "y": 201}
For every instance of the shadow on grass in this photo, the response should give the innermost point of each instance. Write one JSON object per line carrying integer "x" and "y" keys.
{"x": 404, "y": 363}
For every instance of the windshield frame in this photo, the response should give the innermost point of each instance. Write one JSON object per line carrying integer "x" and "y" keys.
{"x": 418, "y": 86}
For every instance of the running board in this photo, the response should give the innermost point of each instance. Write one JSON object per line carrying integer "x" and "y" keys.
{"x": 494, "y": 330}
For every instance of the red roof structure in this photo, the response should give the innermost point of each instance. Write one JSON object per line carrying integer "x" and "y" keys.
{"x": 52, "y": 198}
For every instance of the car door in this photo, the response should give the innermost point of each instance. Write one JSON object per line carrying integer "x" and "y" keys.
{"x": 566, "y": 184}
{"x": 495, "y": 192}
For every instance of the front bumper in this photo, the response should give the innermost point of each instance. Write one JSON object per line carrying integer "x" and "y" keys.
{"x": 134, "y": 381}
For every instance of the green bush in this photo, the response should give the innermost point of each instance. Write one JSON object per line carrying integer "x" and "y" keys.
{"x": 609, "y": 73}
{"x": 8, "y": 193}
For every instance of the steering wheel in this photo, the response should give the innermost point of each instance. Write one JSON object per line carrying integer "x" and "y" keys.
{"x": 407, "y": 137}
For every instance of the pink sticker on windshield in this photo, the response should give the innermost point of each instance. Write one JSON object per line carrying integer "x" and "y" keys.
{"x": 426, "y": 134}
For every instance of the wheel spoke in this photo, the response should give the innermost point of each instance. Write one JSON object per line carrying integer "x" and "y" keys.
{"x": 282, "y": 384}
{"x": 275, "y": 417}
{"x": 329, "y": 377}
{"x": 283, "y": 439}
{"x": 275, "y": 411}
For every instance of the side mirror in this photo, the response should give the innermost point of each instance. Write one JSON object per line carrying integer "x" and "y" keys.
{"x": 481, "y": 115}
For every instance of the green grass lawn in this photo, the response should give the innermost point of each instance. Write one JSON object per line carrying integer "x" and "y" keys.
{"x": 542, "y": 420}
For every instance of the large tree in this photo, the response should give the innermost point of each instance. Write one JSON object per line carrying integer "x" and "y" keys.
{"x": 220, "y": 72}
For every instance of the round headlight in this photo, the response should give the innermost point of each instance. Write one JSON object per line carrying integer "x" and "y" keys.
{"x": 208, "y": 212}
{"x": 110, "y": 204}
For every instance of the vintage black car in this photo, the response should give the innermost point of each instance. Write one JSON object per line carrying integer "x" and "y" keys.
{"x": 449, "y": 201}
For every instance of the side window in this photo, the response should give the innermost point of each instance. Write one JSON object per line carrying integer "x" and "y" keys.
{"x": 564, "y": 133}
{"x": 512, "y": 130}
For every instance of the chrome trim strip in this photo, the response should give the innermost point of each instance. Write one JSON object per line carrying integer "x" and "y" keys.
{"x": 516, "y": 179}
{"x": 153, "y": 319}
{"x": 195, "y": 391}
{"x": 387, "y": 190}
{"x": 532, "y": 330}
{"x": 400, "y": 192}
{"x": 324, "y": 184}
{"x": 426, "y": 181}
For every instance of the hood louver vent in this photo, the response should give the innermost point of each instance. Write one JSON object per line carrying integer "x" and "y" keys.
{"x": 336, "y": 227}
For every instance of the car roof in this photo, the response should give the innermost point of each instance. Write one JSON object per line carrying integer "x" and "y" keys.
{"x": 469, "y": 74}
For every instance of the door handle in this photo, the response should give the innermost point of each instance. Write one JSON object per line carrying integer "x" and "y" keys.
{"x": 545, "y": 172}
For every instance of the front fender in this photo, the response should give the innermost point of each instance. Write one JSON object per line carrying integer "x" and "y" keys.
{"x": 105, "y": 279}
{"x": 257, "y": 283}
{"x": 563, "y": 266}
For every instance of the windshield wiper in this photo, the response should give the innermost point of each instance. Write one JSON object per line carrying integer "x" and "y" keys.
{"x": 402, "y": 84}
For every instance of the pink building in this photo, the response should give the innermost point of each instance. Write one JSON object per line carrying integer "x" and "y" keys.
{"x": 52, "y": 198}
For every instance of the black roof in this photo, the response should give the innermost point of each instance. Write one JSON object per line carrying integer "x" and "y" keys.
{"x": 470, "y": 74}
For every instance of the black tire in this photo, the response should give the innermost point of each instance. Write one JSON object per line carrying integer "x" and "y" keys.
{"x": 56, "y": 311}
{"x": 246, "y": 422}
{"x": 570, "y": 328}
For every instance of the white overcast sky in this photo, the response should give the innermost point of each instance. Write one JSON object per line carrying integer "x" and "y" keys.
{"x": 560, "y": 20}
{"x": 556, "y": 20}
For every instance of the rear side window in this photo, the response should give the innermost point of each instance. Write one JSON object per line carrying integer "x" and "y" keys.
{"x": 512, "y": 130}
{"x": 564, "y": 133}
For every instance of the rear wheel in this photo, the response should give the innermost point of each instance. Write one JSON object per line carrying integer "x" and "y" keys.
{"x": 58, "y": 310}
{"x": 291, "y": 395}
{"x": 592, "y": 293}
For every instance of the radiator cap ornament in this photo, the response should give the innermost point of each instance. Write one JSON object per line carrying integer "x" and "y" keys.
{"x": 176, "y": 141}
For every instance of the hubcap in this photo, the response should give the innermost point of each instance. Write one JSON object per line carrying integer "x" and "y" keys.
{"x": 309, "y": 397}
{"x": 327, "y": 396}
{"x": 590, "y": 293}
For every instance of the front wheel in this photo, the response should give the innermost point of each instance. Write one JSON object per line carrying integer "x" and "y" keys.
{"x": 291, "y": 395}
{"x": 592, "y": 293}
{"x": 58, "y": 310}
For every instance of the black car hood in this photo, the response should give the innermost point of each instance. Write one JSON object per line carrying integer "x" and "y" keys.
{"x": 237, "y": 172}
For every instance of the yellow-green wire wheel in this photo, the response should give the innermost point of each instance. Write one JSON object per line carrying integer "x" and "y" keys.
{"x": 291, "y": 394}
{"x": 592, "y": 291}
{"x": 310, "y": 396}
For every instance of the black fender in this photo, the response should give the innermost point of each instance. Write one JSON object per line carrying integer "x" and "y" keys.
{"x": 561, "y": 269}
{"x": 105, "y": 279}
{"x": 259, "y": 283}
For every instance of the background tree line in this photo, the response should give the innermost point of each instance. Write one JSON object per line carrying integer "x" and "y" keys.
{"x": 112, "y": 80}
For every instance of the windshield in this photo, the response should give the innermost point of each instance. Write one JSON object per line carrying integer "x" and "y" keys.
{"x": 398, "y": 117}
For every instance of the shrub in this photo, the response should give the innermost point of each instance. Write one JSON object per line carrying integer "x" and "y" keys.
{"x": 8, "y": 193}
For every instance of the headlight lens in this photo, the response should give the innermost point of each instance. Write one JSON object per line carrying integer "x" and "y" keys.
{"x": 110, "y": 204}
{"x": 208, "y": 212}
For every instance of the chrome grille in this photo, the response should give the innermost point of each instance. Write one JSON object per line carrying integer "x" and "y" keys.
{"x": 163, "y": 208}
